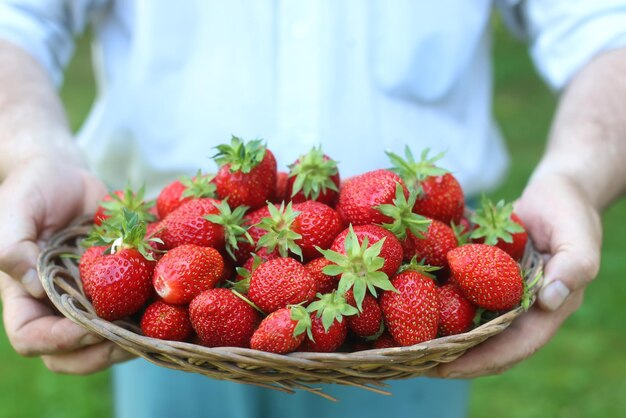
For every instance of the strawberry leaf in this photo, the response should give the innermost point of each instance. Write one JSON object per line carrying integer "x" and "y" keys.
{"x": 198, "y": 186}
{"x": 299, "y": 314}
{"x": 414, "y": 172}
{"x": 242, "y": 156}
{"x": 494, "y": 222}
{"x": 313, "y": 174}
{"x": 280, "y": 234}
{"x": 235, "y": 230}
{"x": 401, "y": 211}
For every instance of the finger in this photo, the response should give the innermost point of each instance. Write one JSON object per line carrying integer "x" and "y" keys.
{"x": 32, "y": 327}
{"x": 519, "y": 341}
{"x": 87, "y": 360}
{"x": 18, "y": 235}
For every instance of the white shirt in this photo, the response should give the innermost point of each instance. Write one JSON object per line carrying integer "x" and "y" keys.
{"x": 178, "y": 77}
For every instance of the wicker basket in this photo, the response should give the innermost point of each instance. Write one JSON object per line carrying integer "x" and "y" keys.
{"x": 365, "y": 369}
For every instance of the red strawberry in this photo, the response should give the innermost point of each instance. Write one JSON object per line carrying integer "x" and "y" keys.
{"x": 282, "y": 179}
{"x": 412, "y": 313}
{"x": 391, "y": 250}
{"x": 325, "y": 283}
{"x": 186, "y": 271}
{"x": 183, "y": 190}
{"x": 121, "y": 284}
{"x": 440, "y": 195}
{"x": 359, "y": 197}
{"x": 456, "y": 314}
{"x": 281, "y": 282}
{"x": 301, "y": 229}
{"x": 120, "y": 281}
{"x": 328, "y": 330}
{"x": 222, "y": 319}
{"x": 384, "y": 341}
{"x": 115, "y": 202}
{"x": 364, "y": 257}
{"x": 487, "y": 276}
{"x": 282, "y": 331}
{"x": 314, "y": 176}
{"x": 251, "y": 219}
{"x": 166, "y": 322}
{"x": 85, "y": 266}
{"x": 498, "y": 225}
{"x": 154, "y": 230}
{"x": 435, "y": 244}
{"x": 325, "y": 341}
{"x": 368, "y": 322}
{"x": 187, "y": 225}
{"x": 247, "y": 174}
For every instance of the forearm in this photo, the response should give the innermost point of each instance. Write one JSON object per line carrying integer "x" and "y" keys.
{"x": 32, "y": 120}
{"x": 588, "y": 136}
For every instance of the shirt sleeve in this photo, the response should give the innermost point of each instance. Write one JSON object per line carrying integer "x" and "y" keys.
{"x": 564, "y": 35}
{"x": 46, "y": 28}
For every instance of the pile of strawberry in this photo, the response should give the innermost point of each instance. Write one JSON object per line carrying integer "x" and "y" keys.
{"x": 279, "y": 262}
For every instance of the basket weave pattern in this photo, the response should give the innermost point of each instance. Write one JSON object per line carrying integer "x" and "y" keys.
{"x": 366, "y": 369}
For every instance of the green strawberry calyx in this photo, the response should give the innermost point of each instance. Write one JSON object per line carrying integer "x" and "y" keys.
{"x": 313, "y": 174}
{"x": 414, "y": 172}
{"x": 280, "y": 234}
{"x": 131, "y": 201}
{"x": 242, "y": 156}
{"x": 462, "y": 236}
{"x": 494, "y": 222}
{"x": 527, "y": 295}
{"x": 303, "y": 319}
{"x": 331, "y": 307}
{"x": 243, "y": 285}
{"x": 201, "y": 185}
{"x": 127, "y": 231}
{"x": 419, "y": 267}
{"x": 401, "y": 211}
{"x": 359, "y": 267}
{"x": 235, "y": 230}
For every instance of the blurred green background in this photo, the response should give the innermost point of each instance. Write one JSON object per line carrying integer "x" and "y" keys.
{"x": 580, "y": 373}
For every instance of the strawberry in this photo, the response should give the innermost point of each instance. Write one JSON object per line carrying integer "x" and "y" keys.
{"x": 222, "y": 319}
{"x": 186, "y": 271}
{"x": 488, "y": 276}
{"x": 183, "y": 190}
{"x": 365, "y": 257}
{"x": 121, "y": 284}
{"x": 325, "y": 283}
{"x": 300, "y": 230}
{"x": 112, "y": 205}
{"x": 328, "y": 329}
{"x": 120, "y": 281}
{"x": 85, "y": 266}
{"x": 390, "y": 251}
{"x": 282, "y": 331}
{"x": 369, "y": 321}
{"x": 247, "y": 174}
{"x": 314, "y": 176}
{"x": 250, "y": 221}
{"x": 440, "y": 195}
{"x": 281, "y": 282}
{"x": 384, "y": 341}
{"x": 187, "y": 225}
{"x": 359, "y": 197}
{"x": 282, "y": 178}
{"x": 456, "y": 313}
{"x": 411, "y": 313}
{"x": 166, "y": 322}
{"x": 435, "y": 244}
{"x": 206, "y": 222}
{"x": 498, "y": 225}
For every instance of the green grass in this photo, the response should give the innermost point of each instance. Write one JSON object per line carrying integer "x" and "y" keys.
{"x": 580, "y": 373}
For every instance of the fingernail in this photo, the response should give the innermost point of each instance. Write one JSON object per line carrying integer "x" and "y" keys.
{"x": 91, "y": 339}
{"x": 31, "y": 283}
{"x": 553, "y": 295}
{"x": 118, "y": 355}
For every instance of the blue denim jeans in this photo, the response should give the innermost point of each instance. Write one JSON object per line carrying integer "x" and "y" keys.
{"x": 145, "y": 390}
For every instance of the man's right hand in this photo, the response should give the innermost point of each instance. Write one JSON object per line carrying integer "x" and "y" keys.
{"x": 37, "y": 199}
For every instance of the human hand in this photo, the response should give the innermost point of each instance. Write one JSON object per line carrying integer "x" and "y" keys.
{"x": 564, "y": 226}
{"x": 37, "y": 199}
